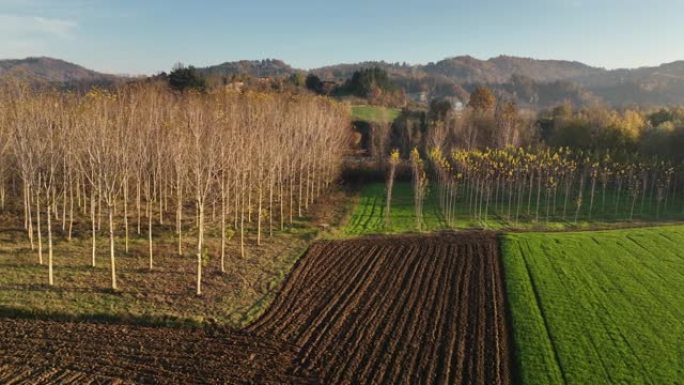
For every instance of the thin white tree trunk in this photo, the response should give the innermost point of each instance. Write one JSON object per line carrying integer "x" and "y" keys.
{"x": 223, "y": 224}
{"x": 200, "y": 206}
{"x": 137, "y": 201}
{"x": 259, "y": 215}
{"x": 38, "y": 230}
{"x": 179, "y": 217}
{"x": 71, "y": 208}
{"x": 99, "y": 207}
{"x": 64, "y": 202}
{"x": 51, "y": 280}
{"x": 29, "y": 217}
{"x": 149, "y": 234}
{"x": 93, "y": 229}
{"x": 125, "y": 218}
{"x": 112, "y": 260}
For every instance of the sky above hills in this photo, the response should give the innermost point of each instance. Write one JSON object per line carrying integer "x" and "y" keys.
{"x": 144, "y": 37}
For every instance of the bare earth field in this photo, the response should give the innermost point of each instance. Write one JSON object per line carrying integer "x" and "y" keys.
{"x": 400, "y": 310}
{"x": 47, "y": 352}
{"x": 397, "y": 310}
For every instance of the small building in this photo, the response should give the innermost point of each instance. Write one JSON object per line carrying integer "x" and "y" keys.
{"x": 418, "y": 97}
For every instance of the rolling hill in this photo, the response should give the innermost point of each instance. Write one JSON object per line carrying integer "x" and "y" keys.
{"x": 532, "y": 82}
{"x": 54, "y": 71}
{"x": 537, "y": 83}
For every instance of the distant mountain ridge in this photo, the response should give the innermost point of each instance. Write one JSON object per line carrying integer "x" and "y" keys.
{"x": 533, "y": 82}
{"x": 50, "y": 70}
{"x": 256, "y": 68}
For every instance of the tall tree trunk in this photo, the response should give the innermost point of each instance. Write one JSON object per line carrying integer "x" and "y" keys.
{"x": 223, "y": 224}
{"x": 270, "y": 204}
{"x": 179, "y": 216}
{"x": 112, "y": 260}
{"x": 259, "y": 214}
{"x": 388, "y": 203}
{"x": 125, "y": 209}
{"x": 301, "y": 181}
{"x": 138, "y": 200}
{"x": 51, "y": 280}
{"x": 591, "y": 198}
{"x": 38, "y": 229}
{"x": 242, "y": 222}
{"x": 200, "y": 225}
{"x": 92, "y": 221}
{"x": 282, "y": 199}
{"x": 64, "y": 201}
{"x": 291, "y": 190}
{"x": 71, "y": 208}
{"x": 99, "y": 207}
{"x": 149, "y": 235}
{"x": 29, "y": 216}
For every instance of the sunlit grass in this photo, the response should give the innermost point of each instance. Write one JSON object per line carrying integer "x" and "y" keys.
{"x": 597, "y": 307}
{"x": 375, "y": 114}
{"x": 368, "y": 215}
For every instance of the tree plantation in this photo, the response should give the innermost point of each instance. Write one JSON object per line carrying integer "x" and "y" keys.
{"x": 122, "y": 163}
{"x": 539, "y": 184}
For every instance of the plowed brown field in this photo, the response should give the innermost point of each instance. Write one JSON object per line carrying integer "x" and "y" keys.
{"x": 41, "y": 352}
{"x": 397, "y": 310}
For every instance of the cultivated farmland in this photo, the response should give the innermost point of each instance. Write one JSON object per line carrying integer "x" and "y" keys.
{"x": 47, "y": 352}
{"x": 411, "y": 310}
{"x": 597, "y": 307}
{"x": 398, "y": 310}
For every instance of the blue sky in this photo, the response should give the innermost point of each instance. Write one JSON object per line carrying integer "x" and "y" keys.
{"x": 147, "y": 36}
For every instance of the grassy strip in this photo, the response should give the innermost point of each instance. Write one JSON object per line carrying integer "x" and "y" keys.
{"x": 597, "y": 307}
{"x": 375, "y": 114}
{"x": 106, "y": 318}
{"x": 368, "y": 215}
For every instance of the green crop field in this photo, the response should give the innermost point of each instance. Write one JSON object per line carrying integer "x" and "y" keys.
{"x": 375, "y": 114}
{"x": 597, "y": 307}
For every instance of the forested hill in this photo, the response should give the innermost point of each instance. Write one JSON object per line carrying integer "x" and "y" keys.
{"x": 54, "y": 71}
{"x": 531, "y": 82}
{"x": 256, "y": 68}
{"x": 467, "y": 69}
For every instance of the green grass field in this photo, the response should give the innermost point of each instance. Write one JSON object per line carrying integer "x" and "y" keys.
{"x": 375, "y": 114}
{"x": 368, "y": 215}
{"x": 597, "y": 307}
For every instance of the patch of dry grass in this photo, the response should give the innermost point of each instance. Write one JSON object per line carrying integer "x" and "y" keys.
{"x": 166, "y": 293}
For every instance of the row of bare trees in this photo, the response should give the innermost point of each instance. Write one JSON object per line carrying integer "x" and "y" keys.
{"x": 140, "y": 156}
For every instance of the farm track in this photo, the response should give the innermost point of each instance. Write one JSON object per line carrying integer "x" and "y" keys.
{"x": 397, "y": 310}
{"x": 376, "y": 310}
